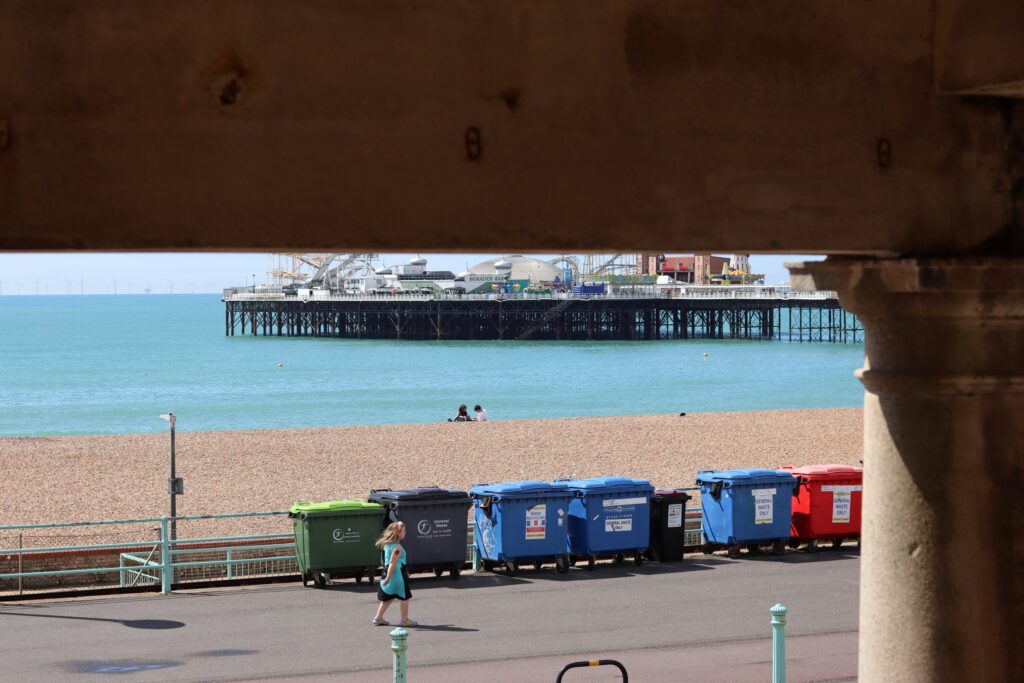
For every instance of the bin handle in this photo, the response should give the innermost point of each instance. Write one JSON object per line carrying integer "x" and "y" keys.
{"x": 716, "y": 489}
{"x": 372, "y": 491}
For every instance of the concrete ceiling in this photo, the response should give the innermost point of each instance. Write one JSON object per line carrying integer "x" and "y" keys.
{"x": 749, "y": 126}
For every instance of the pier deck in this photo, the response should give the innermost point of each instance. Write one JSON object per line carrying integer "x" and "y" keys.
{"x": 798, "y": 317}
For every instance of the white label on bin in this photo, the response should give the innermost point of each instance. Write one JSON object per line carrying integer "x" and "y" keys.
{"x": 620, "y": 502}
{"x": 434, "y": 528}
{"x": 536, "y": 522}
{"x": 348, "y": 535}
{"x": 623, "y": 524}
{"x": 675, "y": 515}
{"x": 841, "y": 507}
{"x": 843, "y": 488}
{"x": 763, "y": 505}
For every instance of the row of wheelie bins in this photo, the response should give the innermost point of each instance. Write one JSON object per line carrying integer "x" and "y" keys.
{"x": 336, "y": 539}
{"x": 572, "y": 520}
{"x": 768, "y": 510}
{"x": 566, "y": 521}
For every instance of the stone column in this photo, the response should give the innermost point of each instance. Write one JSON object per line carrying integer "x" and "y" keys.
{"x": 942, "y": 565}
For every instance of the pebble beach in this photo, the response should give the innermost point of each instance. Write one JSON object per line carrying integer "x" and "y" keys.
{"x": 65, "y": 479}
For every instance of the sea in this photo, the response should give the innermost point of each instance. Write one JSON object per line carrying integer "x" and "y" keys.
{"x": 78, "y": 365}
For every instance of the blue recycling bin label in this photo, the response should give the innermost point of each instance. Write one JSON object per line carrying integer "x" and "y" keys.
{"x": 536, "y": 522}
{"x": 764, "y": 500}
{"x": 619, "y": 513}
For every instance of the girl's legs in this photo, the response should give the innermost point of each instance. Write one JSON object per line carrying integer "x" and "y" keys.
{"x": 404, "y": 607}
{"x": 382, "y": 607}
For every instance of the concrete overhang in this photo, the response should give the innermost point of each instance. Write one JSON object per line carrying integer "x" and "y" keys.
{"x": 752, "y": 126}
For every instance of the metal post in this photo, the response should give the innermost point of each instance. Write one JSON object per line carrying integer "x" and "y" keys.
{"x": 779, "y": 643}
{"x": 476, "y": 558}
{"x": 21, "y": 562}
{"x": 165, "y": 557}
{"x": 399, "y": 646}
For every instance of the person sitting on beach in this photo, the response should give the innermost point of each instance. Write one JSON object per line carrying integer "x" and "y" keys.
{"x": 481, "y": 414}
{"x": 463, "y": 414}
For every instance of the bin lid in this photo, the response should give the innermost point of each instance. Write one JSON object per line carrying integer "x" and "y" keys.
{"x": 417, "y": 494}
{"x": 310, "y": 507}
{"x": 608, "y": 484}
{"x": 519, "y": 488}
{"x": 745, "y": 476}
{"x": 824, "y": 472}
{"x": 672, "y": 493}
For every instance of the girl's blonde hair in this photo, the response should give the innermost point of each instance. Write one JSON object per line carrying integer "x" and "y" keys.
{"x": 390, "y": 534}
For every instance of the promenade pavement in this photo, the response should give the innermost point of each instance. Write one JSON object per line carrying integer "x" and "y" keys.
{"x": 705, "y": 619}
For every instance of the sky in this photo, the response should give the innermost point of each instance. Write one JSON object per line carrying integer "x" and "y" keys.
{"x": 184, "y": 273}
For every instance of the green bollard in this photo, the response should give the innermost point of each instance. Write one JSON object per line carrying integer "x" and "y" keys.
{"x": 778, "y": 643}
{"x": 398, "y": 646}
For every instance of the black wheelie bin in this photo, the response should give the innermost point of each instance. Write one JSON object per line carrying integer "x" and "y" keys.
{"x": 668, "y": 525}
{"x": 436, "y": 526}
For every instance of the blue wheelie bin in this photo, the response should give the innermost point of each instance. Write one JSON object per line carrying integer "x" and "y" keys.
{"x": 750, "y": 507}
{"x": 522, "y": 521}
{"x": 609, "y": 516}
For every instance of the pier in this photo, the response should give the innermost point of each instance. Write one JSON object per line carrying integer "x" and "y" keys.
{"x": 697, "y": 313}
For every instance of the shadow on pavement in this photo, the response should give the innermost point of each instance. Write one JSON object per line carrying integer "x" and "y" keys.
{"x": 157, "y": 624}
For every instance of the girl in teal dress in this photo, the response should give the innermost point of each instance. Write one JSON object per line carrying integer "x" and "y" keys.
{"x": 394, "y": 582}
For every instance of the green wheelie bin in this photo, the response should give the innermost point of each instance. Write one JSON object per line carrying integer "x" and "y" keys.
{"x": 336, "y": 539}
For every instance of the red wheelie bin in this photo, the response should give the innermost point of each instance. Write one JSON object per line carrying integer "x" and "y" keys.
{"x": 826, "y": 505}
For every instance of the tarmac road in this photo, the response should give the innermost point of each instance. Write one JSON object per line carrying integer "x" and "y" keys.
{"x": 704, "y": 619}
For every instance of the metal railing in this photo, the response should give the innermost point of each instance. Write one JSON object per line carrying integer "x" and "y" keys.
{"x": 144, "y": 562}
{"x": 168, "y": 562}
{"x": 615, "y": 292}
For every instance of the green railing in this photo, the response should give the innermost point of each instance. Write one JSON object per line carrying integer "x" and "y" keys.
{"x": 146, "y": 562}
{"x": 167, "y": 562}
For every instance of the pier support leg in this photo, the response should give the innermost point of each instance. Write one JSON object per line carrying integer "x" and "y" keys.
{"x": 941, "y": 596}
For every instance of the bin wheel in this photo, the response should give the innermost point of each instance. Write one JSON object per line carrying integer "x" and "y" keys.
{"x": 359, "y": 578}
{"x": 858, "y": 543}
{"x": 620, "y": 559}
{"x": 778, "y": 547}
{"x": 837, "y": 543}
{"x": 319, "y": 579}
{"x": 438, "y": 571}
{"x": 573, "y": 560}
{"x": 733, "y": 551}
{"x": 488, "y": 566}
{"x": 753, "y": 548}
{"x": 562, "y": 564}
{"x": 590, "y": 563}
{"x": 812, "y": 546}
{"x": 639, "y": 559}
{"x": 793, "y": 543}
{"x": 455, "y": 572}
{"x": 537, "y": 564}
{"x": 511, "y": 568}
{"x": 707, "y": 549}
{"x": 305, "y": 579}
{"x": 654, "y": 554}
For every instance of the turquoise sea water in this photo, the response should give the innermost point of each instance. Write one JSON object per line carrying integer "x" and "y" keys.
{"x": 113, "y": 364}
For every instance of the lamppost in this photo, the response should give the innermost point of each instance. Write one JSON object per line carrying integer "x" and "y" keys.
{"x": 175, "y": 485}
